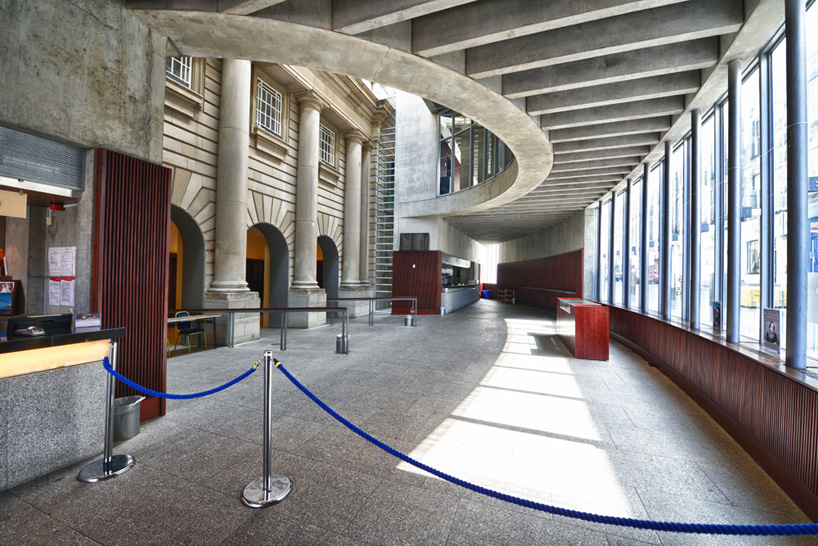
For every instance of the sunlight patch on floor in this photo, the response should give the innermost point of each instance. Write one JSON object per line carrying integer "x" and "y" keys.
{"x": 527, "y": 430}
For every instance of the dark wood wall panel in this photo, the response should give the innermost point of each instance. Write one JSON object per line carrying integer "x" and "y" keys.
{"x": 540, "y": 282}
{"x": 774, "y": 416}
{"x": 131, "y": 267}
{"x": 417, "y": 274}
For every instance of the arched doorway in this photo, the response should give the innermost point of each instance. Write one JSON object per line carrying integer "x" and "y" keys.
{"x": 187, "y": 258}
{"x": 326, "y": 270}
{"x": 268, "y": 269}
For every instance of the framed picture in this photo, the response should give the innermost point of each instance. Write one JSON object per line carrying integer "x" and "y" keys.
{"x": 8, "y": 298}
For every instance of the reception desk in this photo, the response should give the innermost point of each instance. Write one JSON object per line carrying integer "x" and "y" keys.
{"x": 583, "y": 328}
{"x": 52, "y": 405}
{"x": 457, "y": 297}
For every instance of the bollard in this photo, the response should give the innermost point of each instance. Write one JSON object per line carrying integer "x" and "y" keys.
{"x": 110, "y": 466}
{"x": 270, "y": 488}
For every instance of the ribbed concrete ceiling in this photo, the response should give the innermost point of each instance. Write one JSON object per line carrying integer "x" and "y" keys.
{"x": 605, "y": 79}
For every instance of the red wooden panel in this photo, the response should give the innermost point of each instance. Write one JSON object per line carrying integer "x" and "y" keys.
{"x": 417, "y": 274}
{"x": 557, "y": 273}
{"x": 770, "y": 414}
{"x": 131, "y": 266}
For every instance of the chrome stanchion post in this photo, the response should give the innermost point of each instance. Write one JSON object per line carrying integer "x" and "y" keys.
{"x": 371, "y": 312}
{"x": 284, "y": 316}
{"x": 270, "y": 488}
{"x": 110, "y": 465}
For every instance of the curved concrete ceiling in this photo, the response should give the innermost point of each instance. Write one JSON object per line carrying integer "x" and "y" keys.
{"x": 203, "y": 34}
{"x": 606, "y": 80}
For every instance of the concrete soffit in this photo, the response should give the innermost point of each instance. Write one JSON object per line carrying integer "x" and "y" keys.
{"x": 207, "y": 34}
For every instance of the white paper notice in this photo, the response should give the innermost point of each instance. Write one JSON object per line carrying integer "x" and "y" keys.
{"x": 69, "y": 257}
{"x": 67, "y": 293}
{"x": 54, "y": 261}
{"x": 53, "y": 292}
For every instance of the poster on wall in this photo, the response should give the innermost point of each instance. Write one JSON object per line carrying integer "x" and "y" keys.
{"x": 772, "y": 330}
{"x": 717, "y": 316}
{"x": 7, "y": 293}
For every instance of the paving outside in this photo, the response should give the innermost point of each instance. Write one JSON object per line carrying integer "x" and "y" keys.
{"x": 488, "y": 394}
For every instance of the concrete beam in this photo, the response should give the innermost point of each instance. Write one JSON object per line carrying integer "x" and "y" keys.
{"x": 668, "y": 106}
{"x": 628, "y": 141}
{"x": 551, "y": 188}
{"x": 487, "y": 22}
{"x": 357, "y": 16}
{"x": 649, "y": 28}
{"x": 602, "y": 179}
{"x": 613, "y": 172}
{"x": 233, "y": 7}
{"x": 653, "y": 61}
{"x": 595, "y": 165}
{"x": 619, "y": 128}
{"x": 613, "y": 93}
{"x": 568, "y": 159}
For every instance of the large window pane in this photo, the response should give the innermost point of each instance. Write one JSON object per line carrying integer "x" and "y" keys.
{"x": 750, "y": 262}
{"x": 604, "y": 250}
{"x": 778, "y": 74}
{"x": 707, "y": 199}
{"x": 812, "y": 118}
{"x": 619, "y": 261}
{"x": 635, "y": 243}
{"x": 677, "y": 209}
{"x": 654, "y": 235}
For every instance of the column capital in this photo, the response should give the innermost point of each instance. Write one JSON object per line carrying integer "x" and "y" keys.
{"x": 309, "y": 99}
{"x": 353, "y": 135}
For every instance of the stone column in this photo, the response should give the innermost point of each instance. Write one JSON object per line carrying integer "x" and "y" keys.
{"x": 305, "y": 291}
{"x": 352, "y": 211}
{"x": 229, "y": 287}
{"x": 366, "y": 168}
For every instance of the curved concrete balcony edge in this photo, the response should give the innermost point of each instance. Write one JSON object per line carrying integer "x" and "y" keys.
{"x": 205, "y": 34}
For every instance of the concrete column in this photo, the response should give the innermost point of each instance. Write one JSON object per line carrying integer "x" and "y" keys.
{"x": 643, "y": 252}
{"x": 306, "y": 194}
{"x": 352, "y": 211}
{"x": 231, "y": 181}
{"x": 229, "y": 287}
{"x": 695, "y": 218}
{"x": 797, "y": 185}
{"x": 363, "y": 263}
{"x": 733, "y": 201}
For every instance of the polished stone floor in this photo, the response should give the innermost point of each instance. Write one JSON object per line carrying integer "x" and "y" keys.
{"x": 488, "y": 394}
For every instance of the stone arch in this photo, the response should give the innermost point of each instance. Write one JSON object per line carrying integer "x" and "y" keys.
{"x": 330, "y": 269}
{"x": 278, "y": 271}
{"x": 193, "y": 258}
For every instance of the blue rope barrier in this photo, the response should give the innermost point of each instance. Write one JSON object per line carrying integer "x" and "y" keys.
{"x": 158, "y": 394}
{"x": 696, "y": 528}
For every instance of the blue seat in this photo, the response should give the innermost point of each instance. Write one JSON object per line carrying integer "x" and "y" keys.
{"x": 186, "y": 330}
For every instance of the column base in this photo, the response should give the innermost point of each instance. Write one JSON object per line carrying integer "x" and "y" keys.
{"x": 356, "y": 308}
{"x": 307, "y": 298}
{"x": 246, "y": 326}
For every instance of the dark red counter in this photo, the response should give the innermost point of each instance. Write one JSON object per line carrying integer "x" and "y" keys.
{"x": 583, "y": 327}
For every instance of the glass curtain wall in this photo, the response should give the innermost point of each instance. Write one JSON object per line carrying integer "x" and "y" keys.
{"x": 469, "y": 154}
{"x": 750, "y": 261}
{"x": 678, "y": 207}
{"x": 604, "y": 250}
{"x": 707, "y": 199}
{"x": 812, "y": 131}
{"x": 654, "y": 235}
{"x": 635, "y": 243}
{"x": 619, "y": 259}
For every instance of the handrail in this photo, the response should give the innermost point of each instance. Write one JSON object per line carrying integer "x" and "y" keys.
{"x": 413, "y": 310}
{"x": 284, "y": 312}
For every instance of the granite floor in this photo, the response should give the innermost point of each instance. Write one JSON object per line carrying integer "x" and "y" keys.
{"x": 488, "y": 394}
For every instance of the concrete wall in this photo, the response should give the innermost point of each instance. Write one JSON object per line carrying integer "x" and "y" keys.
{"x": 88, "y": 73}
{"x": 416, "y": 150}
{"x": 567, "y": 236}
{"x": 442, "y": 236}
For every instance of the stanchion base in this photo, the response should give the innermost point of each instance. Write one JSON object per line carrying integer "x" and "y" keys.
{"x": 94, "y": 472}
{"x": 254, "y": 497}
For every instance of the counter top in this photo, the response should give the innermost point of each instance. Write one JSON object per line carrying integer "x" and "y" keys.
{"x": 68, "y": 337}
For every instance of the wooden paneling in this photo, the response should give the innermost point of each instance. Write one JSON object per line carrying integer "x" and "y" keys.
{"x": 583, "y": 329}
{"x": 131, "y": 260}
{"x": 771, "y": 414}
{"x": 417, "y": 274}
{"x": 540, "y": 282}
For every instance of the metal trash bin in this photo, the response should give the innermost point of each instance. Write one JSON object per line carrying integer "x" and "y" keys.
{"x": 342, "y": 343}
{"x": 409, "y": 320}
{"x": 126, "y": 417}
{"x": 441, "y": 310}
